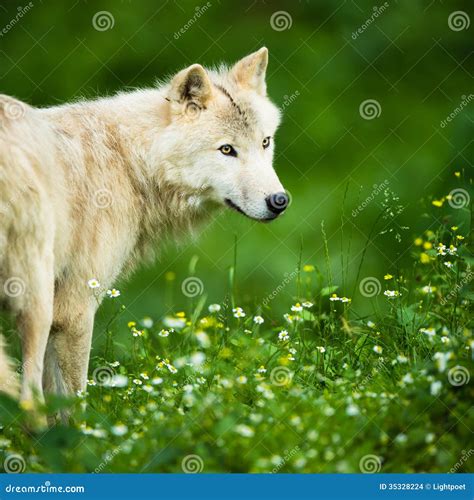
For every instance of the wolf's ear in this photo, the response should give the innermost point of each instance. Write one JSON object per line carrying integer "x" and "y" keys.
{"x": 191, "y": 84}
{"x": 250, "y": 71}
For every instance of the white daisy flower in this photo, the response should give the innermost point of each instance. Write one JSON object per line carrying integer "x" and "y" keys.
{"x": 435, "y": 387}
{"x": 428, "y": 331}
{"x": 119, "y": 430}
{"x": 441, "y": 359}
{"x": 238, "y": 312}
{"x": 297, "y": 307}
{"x": 441, "y": 249}
{"x": 258, "y": 320}
{"x": 147, "y": 322}
{"x": 377, "y": 349}
{"x": 244, "y": 430}
{"x": 203, "y": 339}
{"x": 113, "y": 293}
{"x": 392, "y": 294}
{"x": 171, "y": 368}
{"x": 213, "y": 308}
{"x": 288, "y": 318}
{"x": 93, "y": 283}
{"x": 452, "y": 250}
{"x": 283, "y": 336}
{"x": 352, "y": 410}
{"x": 137, "y": 333}
{"x": 176, "y": 323}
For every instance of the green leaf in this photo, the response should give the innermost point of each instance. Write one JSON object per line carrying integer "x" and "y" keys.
{"x": 328, "y": 290}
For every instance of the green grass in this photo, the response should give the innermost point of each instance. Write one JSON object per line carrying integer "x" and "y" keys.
{"x": 342, "y": 391}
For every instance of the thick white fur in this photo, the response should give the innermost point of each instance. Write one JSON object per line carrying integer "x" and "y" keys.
{"x": 88, "y": 188}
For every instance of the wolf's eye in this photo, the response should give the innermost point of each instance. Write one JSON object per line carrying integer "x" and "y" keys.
{"x": 228, "y": 150}
{"x": 266, "y": 142}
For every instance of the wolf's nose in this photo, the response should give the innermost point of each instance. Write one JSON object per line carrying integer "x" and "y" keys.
{"x": 277, "y": 202}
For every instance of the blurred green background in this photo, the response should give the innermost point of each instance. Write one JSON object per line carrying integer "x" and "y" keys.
{"x": 408, "y": 59}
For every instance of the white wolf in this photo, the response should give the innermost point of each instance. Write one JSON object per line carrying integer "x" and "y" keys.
{"x": 87, "y": 188}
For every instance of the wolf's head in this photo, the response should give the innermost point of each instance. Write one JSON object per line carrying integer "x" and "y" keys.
{"x": 220, "y": 137}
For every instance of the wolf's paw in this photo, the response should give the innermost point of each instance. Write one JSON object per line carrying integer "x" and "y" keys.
{"x": 35, "y": 420}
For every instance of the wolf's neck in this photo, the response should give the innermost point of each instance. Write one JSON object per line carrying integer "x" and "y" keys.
{"x": 119, "y": 134}
{"x": 167, "y": 209}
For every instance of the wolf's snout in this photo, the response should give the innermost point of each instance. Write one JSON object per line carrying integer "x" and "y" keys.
{"x": 277, "y": 202}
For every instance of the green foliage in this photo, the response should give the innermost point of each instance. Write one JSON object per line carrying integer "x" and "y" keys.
{"x": 358, "y": 376}
{"x": 321, "y": 389}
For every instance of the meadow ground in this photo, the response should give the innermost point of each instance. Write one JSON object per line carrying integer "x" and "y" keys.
{"x": 233, "y": 387}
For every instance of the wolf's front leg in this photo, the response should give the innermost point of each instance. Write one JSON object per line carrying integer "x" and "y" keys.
{"x": 34, "y": 323}
{"x": 68, "y": 350}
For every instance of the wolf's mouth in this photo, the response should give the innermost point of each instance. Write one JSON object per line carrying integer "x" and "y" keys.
{"x": 232, "y": 205}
